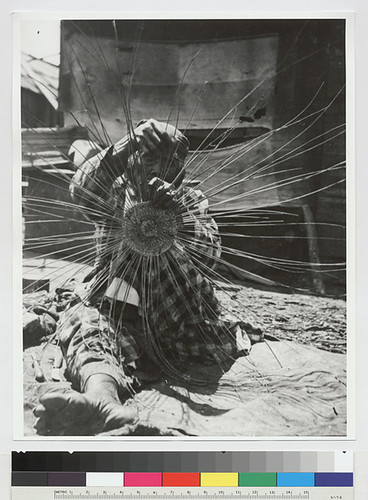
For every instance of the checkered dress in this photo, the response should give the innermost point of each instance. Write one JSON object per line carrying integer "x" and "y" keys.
{"x": 179, "y": 315}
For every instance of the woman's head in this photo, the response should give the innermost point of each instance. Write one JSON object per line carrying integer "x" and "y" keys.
{"x": 166, "y": 162}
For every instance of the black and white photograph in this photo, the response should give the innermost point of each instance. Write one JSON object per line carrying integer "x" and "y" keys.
{"x": 186, "y": 263}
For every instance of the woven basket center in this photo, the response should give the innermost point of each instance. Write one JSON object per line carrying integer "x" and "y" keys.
{"x": 149, "y": 230}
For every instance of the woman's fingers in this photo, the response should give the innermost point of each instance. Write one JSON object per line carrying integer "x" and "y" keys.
{"x": 160, "y": 185}
{"x": 151, "y": 140}
{"x": 162, "y": 192}
{"x": 165, "y": 140}
{"x": 152, "y": 136}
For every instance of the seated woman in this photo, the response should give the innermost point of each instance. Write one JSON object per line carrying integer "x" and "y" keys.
{"x": 147, "y": 308}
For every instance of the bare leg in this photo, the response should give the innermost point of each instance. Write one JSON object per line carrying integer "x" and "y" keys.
{"x": 98, "y": 409}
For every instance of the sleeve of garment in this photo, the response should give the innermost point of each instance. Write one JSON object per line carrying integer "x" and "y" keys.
{"x": 94, "y": 189}
{"x": 206, "y": 244}
{"x": 91, "y": 185}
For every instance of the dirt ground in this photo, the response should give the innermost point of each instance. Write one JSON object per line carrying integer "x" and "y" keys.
{"x": 292, "y": 384}
{"x": 306, "y": 319}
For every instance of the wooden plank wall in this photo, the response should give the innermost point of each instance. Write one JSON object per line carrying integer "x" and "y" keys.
{"x": 301, "y": 63}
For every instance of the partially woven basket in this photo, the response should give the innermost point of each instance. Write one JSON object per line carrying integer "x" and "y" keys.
{"x": 149, "y": 230}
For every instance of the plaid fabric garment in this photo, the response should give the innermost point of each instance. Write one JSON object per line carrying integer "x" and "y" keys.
{"x": 183, "y": 316}
{"x": 179, "y": 312}
{"x": 179, "y": 317}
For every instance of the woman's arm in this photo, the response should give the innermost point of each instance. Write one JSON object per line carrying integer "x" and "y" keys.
{"x": 207, "y": 241}
{"x": 93, "y": 180}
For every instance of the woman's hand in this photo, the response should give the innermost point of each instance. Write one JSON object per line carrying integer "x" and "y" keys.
{"x": 162, "y": 192}
{"x": 151, "y": 137}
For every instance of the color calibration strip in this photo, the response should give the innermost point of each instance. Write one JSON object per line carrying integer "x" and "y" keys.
{"x": 185, "y": 469}
{"x": 183, "y": 479}
{"x": 252, "y": 461}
